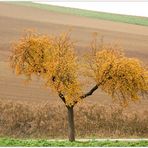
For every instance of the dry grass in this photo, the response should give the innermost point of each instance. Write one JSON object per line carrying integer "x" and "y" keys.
{"x": 46, "y": 120}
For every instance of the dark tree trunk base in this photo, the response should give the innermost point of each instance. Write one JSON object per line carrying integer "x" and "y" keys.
{"x": 71, "y": 127}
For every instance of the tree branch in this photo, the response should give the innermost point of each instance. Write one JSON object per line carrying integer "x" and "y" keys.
{"x": 90, "y": 92}
{"x": 62, "y": 97}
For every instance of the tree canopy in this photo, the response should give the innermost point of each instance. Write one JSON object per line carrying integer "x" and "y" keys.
{"x": 53, "y": 58}
{"x": 124, "y": 79}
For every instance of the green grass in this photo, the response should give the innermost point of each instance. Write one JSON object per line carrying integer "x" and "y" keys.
{"x": 17, "y": 142}
{"x": 87, "y": 13}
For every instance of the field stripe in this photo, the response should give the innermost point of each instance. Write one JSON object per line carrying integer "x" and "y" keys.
{"x": 137, "y": 20}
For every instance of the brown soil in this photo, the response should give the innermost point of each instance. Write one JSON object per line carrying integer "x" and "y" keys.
{"x": 14, "y": 19}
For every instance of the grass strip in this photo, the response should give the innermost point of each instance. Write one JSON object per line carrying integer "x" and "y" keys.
{"x": 18, "y": 142}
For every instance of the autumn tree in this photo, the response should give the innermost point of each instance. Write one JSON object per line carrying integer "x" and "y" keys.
{"x": 53, "y": 58}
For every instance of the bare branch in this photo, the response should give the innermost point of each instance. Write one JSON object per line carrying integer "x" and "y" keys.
{"x": 90, "y": 92}
{"x": 62, "y": 97}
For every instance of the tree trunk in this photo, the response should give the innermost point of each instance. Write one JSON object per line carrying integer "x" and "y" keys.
{"x": 71, "y": 127}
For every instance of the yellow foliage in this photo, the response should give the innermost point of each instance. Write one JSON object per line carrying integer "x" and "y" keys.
{"x": 53, "y": 59}
{"x": 50, "y": 57}
{"x": 28, "y": 54}
{"x": 122, "y": 78}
